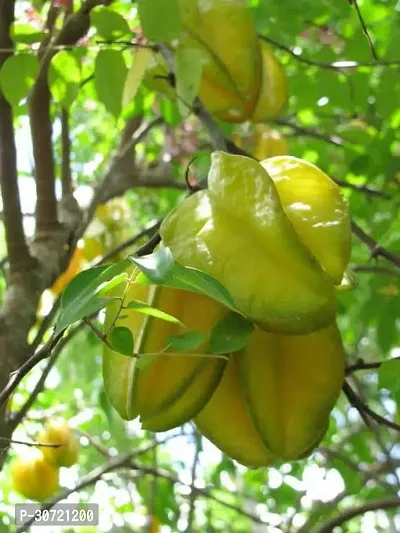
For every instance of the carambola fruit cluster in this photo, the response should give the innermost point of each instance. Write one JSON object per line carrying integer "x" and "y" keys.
{"x": 276, "y": 235}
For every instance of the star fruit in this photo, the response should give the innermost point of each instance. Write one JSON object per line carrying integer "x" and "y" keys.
{"x": 275, "y": 396}
{"x": 225, "y": 33}
{"x": 314, "y": 205}
{"x": 173, "y": 386}
{"x": 237, "y": 231}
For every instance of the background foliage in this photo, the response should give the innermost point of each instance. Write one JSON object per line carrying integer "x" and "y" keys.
{"x": 342, "y": 60}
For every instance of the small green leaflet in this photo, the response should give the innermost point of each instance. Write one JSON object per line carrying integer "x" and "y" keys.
{"x": 109, "y": 79}
{"x": 230, "y": 334}
{"x": 141, "y": 59}
{"x": 160, "y": 20}
{"x": 155, "y": 266}
{"x": 81, "y": 297}
{"x": 159, "y": 268}
{"x": 389, "y": 378}
{"x": 25, "y": 33}
{"x": 187, "y": 342}
{"x": 64, "y": 76}
{"x": 17, "y": 75}
{"x": 146, "y": 309}
{"x": 188, "y": 67}
{"x": 109, "y": 24}
{"x": 121, "y": 339}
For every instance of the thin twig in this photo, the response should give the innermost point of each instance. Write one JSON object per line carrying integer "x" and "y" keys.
{"x": 365, "y": 29}
{"x": 338, "y": 66}
{"x": 16, "y": 418}
{"x": 17, "y": 376}
{"x": 362, "y": 365}
{"x": 363, "y": 408}
{"x": 348, "y": 514}
{"x": 364, "y": 189}
{"x": 193, "y": 494}
{"x": 375, "y": 248}
{"x": 375, "y": 269}
{"x": 127, "y": 462}
{"x": 66, "y": 175}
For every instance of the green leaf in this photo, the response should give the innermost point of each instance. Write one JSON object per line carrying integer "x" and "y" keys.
{"x": 64, "y": 77}
{"x": 185, "y": 343}
{"x": 81, "y": 311}
{"x": 109, "y": 24}
{"x": 194, "y": 280}
{"x": 230, "y": 334}
{"x": 78, "y": 284}
{"x": 109, "y": 79}
{"x": 17, "y": 75}
{"x": 389, "y": 378}
{"x": 121, "y": 339}
{"x": 170, "y": 112}
{"x": 162, "y": 271}
{"x": 25, "y": 33}
{"x": 160, "y": 20}
{"x": 81, "y": 296}
{"x": 146, "y": 309}
{"x": 188, "y": 68}
{"x": 155, "y": 266}
{"x": 141, "y": 59}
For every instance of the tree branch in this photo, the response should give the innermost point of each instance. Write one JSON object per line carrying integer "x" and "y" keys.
{"x": 364, "y": 29}
{"x": 17, "y": 376}
{"x": 363, "y": 409}
{"x": 18, "y": 253}
{"x": 364, "y": 189}
{"x": 375, "y": 269}
{"x": 375, "y": 248}
{"x": 316, "y": 134}
{"x": 348, "y": 514}
{"x": 362, "y": 365}
{"x": 16, "y": 418}
{"x": 192, "y": 498}
{"x": 66, "y": 175}
{"x": 339, "y": 66}
{"x": 127, "y": 462}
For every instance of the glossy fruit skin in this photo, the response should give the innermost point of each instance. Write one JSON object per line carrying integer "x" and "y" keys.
{"x": 172, "y": 388}
{"x": 226, "y": 422}
{"x": 281, "y": 285}
{"x": 224, "y": 31}
{"x": 273, "y": 95}
{"x": 291, "y": 384}
{"x": 57, "y": 432}
{"x": 34, "y": 478}
{"x": 314, "y": 205}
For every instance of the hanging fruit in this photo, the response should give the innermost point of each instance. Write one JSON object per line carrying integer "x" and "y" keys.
{"x": 238, "y": 232}
{"x": 173, "y": 386}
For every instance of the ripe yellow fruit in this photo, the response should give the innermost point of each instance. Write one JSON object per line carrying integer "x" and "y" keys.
{"x": 237, "y": 231}
{"x": 314, "y": 205}
{"x": 226, "y": 422}
{"x": 74, "y": 267}
{"x": 291, "y": 384}
{"x": 58, "y": 432}
{"x": 224, "y": 31}
{"x": 273, "y": 95}
{"x": 33, "y": 477}
{"x": 174, "y": 386}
